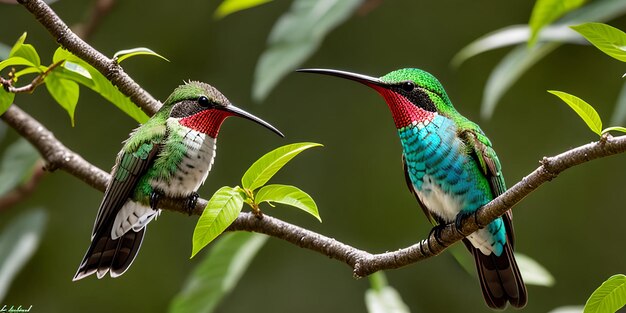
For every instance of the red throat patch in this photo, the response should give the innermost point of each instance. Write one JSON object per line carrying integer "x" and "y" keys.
{"x": 207, "y": 121}
{"x": 404, "y": 112}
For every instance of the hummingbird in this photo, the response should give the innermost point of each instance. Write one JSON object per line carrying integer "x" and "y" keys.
{"x": 452, "y": 169}
{"x": 168, "y": 156}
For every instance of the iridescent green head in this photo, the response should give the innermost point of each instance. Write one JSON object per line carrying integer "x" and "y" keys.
{"x": 202, "y": 107}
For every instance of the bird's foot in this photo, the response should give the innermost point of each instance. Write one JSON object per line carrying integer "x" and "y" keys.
{"x": 458, "y": 223}
{"x": 436, "y": 232}
{"x": 155, "y": 196}
{"x": 190, "y": 202}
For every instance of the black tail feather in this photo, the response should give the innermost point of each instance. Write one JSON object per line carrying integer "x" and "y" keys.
{"x": 500, "y": 278}
{"x": 105, "y": 254}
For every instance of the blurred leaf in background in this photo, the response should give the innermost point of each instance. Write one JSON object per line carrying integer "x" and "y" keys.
{"x": 218, "y": 274}
{"x": 17, "y": 165}
{"x": 568, "y": 309}
{"x": 546, "y": 11}
{"x": 295, "y": 37}
{"x": 18, "y": 242}
{"x": 382, "y": 298}
{"x": 533, "y": 272}
{"x": 522, "y": 57}
{"x": 4, "y": 51}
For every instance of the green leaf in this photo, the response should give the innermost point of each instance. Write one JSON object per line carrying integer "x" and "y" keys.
{"x": 608, "y": 39}
{"x": 231, "y": 6}
{"x": 509, "y": 70}
{"x": 614, "y": 128}
{"x": 125, "y": 54}
{"x": 26, "y": 51}
{"x": 28, "y": 70}
{"x": 17, "y": 165}
{"x": 533, "y": 272}
{"x": 84, "y": 74}
{"x": 583, "y": 109}
{"x": 18, "y": 242}
{"x": 218, "y": 273}
{"x": 265, "y": 167}
{"x": 12, "y": 61}
{"x": 221, "y": 211}
{"x": 6, "y": 99}
{"x": 64, "y": 91}
{"x": 382, "y": 298}
{"x": 289, "y": 195}
{"x": 546, "y": 11}
{"x": 609, "y": 297}
{"x": 295, "y": 36}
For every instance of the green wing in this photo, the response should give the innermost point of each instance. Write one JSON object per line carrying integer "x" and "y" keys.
{"x": 481, "y": 150}
{"x": 131, "y": 164}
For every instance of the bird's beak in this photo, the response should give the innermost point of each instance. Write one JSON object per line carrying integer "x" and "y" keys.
{"x": 241, "y": 113}
{"x": 364, "y": 79}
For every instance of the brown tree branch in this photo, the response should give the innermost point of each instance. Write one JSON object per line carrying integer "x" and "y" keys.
{"x": 363, "y": 263}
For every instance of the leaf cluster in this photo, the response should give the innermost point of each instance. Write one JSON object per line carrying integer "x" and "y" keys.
{"x": 226, "y": 203}
{"x": 62, "y": 78}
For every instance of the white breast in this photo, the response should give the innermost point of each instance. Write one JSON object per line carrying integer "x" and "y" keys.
{"x": 443, "y": 205}
{"x": 195, "y": 166}
{"x": 446, "y": 207}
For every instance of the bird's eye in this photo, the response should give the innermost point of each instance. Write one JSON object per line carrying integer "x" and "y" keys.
{"x": 408, "y": 86}
{"x": 204, "y": 101}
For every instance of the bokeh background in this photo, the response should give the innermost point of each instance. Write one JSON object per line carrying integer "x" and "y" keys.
{"x": 574, "y": 225}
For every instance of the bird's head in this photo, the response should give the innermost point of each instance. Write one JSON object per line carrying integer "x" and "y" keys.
{"x": 413, "y": 95}
{"x": 202, "y": 107}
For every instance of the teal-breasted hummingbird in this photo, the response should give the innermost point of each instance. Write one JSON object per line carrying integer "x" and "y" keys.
{"x": 452, "y": 169}
{"x": 170, "y": 155}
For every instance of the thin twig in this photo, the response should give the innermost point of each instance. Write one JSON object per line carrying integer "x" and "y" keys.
{"x": 7, "y": 84}
{"x": 100, "y": 9}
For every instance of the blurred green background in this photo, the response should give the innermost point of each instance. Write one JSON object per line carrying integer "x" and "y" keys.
{"x": 573, "y": 225}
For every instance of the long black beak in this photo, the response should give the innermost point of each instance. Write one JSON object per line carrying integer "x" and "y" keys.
{"x": 364, "y": 79}
{"x": 241, "y": 113}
